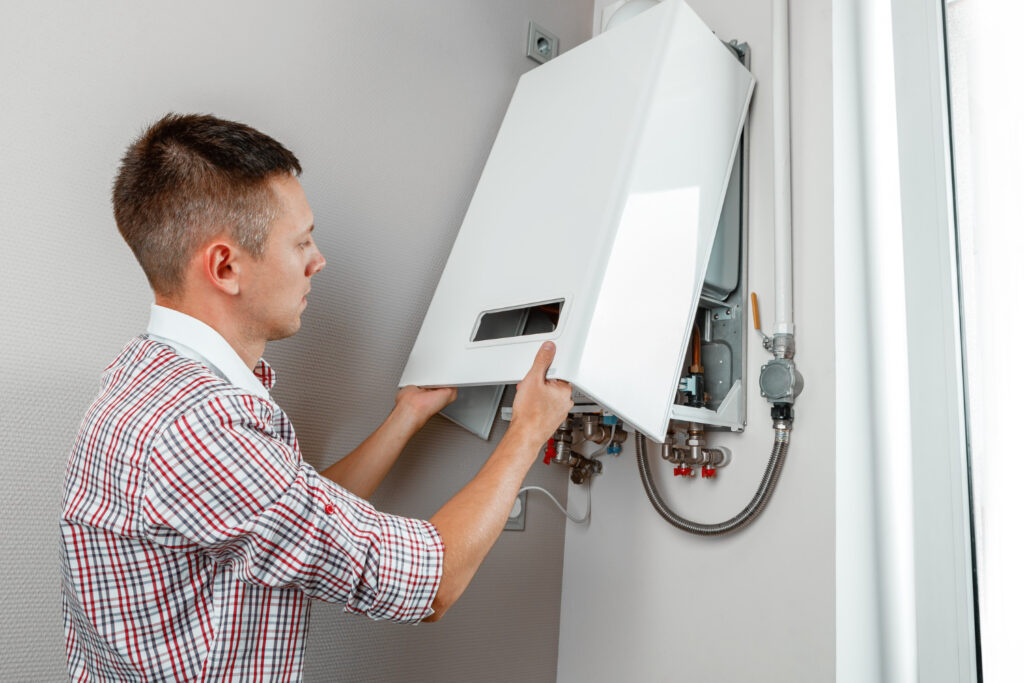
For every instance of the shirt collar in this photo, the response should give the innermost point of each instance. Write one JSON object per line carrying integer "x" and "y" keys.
{"x": 192, "y": 338}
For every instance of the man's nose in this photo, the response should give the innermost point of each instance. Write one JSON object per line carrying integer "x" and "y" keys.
{"x": 316, "y": 265}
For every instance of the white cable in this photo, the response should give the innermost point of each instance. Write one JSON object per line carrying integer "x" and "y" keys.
{"x": 554, "y": 500}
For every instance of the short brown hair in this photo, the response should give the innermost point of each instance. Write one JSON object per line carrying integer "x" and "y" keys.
{"x": 189, "y": 178}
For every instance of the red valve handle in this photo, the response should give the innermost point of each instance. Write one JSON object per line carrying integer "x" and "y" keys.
{"x": 549, "y": 452}
{"x": 683, "y": 472}
{"x": 708, "y": 472}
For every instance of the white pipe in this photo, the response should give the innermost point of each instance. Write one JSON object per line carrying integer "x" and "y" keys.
{"x": 781, "y": 153}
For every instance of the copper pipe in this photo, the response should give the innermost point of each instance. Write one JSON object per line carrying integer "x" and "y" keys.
{"x": 696, "y": 367}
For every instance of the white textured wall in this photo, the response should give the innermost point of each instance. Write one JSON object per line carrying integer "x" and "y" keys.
{"x": 392, "y": 107}
{"x": 643, "y": 601}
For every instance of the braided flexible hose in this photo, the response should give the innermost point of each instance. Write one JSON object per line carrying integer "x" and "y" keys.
{"x": 745, "y": 516}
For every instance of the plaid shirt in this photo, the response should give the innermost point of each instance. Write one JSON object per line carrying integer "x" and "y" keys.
{"x": 194, "y": 535}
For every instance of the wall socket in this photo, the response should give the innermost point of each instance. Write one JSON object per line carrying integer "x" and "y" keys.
{"x": 541, "y": 45}
{"x": 517, "y": 518}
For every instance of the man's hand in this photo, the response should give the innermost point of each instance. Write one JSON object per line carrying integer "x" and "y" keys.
{"x": 362, "y": 470}
{"x": 419, "y": 404}
{"x": 541, "y": 404}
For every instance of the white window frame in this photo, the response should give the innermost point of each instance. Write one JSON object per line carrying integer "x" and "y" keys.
{"x": 904, "y": 569}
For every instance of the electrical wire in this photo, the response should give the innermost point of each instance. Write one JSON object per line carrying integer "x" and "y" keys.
{"x": 581, "y": 520}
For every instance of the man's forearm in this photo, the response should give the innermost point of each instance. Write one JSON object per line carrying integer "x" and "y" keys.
{"x": 362, "y": 470}
{"x": 472, "y": 520}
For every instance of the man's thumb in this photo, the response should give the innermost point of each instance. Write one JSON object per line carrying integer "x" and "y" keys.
{"x": 542, "y": 362}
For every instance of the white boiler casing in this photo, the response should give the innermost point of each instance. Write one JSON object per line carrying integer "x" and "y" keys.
{"x": 602, "y": 192}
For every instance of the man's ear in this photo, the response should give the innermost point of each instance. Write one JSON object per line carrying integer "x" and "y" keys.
{"x": 221, "y": 266}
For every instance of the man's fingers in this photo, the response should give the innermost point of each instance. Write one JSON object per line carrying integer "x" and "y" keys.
{"x": 542, "y": 361}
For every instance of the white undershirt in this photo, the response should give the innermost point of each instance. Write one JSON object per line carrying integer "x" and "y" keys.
{"x": 195, "y": 339}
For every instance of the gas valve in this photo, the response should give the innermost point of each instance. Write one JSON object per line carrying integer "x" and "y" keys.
{"x": 559, "y": 449}
{"x": 562, "y": 442}
{"x": 693, "y": 453}
{"x": 549, "y": 452}
{"x": 583, "y": 469}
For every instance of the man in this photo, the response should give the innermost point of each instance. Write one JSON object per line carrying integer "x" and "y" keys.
{"x": 193, "y": 534}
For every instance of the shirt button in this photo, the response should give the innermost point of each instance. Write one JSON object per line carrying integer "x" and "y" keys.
{"x": 329, "y": 509}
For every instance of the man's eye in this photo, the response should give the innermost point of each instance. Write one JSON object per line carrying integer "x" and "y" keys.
{"x": 304, "y": 244}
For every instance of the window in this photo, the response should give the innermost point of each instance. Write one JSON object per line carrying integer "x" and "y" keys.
{"x": 987, "y": 115}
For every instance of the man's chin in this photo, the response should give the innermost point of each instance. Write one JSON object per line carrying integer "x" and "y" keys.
{"x": 284, "y": 332}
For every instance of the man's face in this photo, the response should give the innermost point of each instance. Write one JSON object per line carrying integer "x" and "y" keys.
{"x": 275, "y": 287}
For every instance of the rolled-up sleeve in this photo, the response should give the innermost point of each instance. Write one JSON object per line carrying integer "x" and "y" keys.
{"x": 221, "y": 483}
